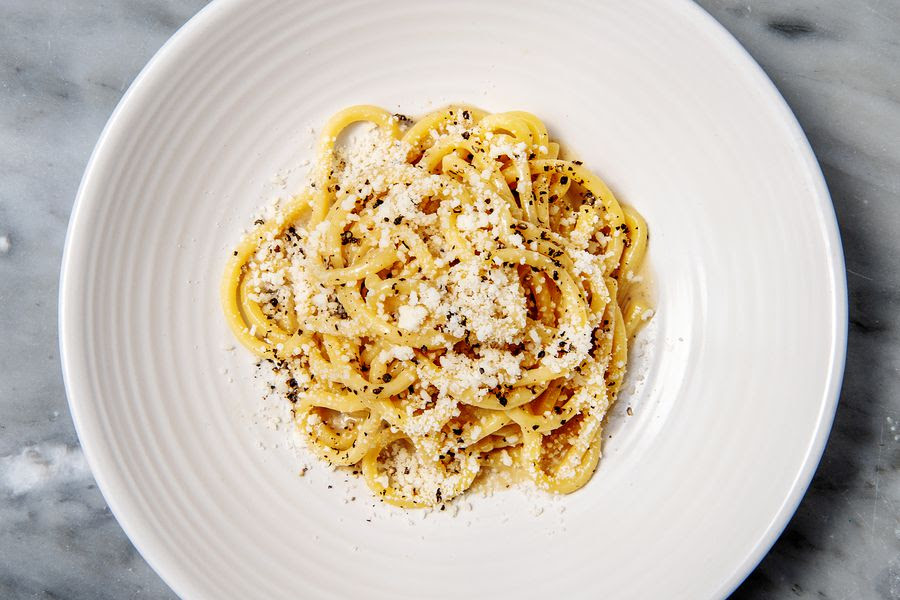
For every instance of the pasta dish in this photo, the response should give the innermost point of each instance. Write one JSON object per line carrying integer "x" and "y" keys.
{"x": 445, "y": 297}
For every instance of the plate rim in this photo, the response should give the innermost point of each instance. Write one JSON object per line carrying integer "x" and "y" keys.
{"x": 840, "y": 316}
{"x": 77, "y": 392}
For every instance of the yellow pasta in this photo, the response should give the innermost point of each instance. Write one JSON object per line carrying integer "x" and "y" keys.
{"x": 444, "y": 296}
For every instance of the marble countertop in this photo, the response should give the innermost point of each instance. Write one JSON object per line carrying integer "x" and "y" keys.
{"x": 63, "y": 67}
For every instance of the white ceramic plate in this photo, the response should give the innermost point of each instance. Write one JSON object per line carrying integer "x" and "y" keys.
{"x": 742, "y": 365}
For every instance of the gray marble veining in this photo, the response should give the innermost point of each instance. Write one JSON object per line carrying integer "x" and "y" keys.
{"x": 65, "y": 64}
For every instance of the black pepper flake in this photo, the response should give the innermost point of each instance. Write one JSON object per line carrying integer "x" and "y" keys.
{"x": 557, "y": 410}
{"x": 465, "y": 114}
{"x": 457, "y": 431}
{"x": 398, "y": 220}
{"x": 386, "y": 377}
{"x": 541, "y": 354}
{"x": 377, "y": 390}
{"x": 564, "y": 180}
{"x": 466, "y": 135}
{"x": 258, "y": 222}
{"x": 502, "y": 400}
{"x": 534, "y": 427}
{"x": 274, "y": 301}
{"x": 377, "y": 203}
